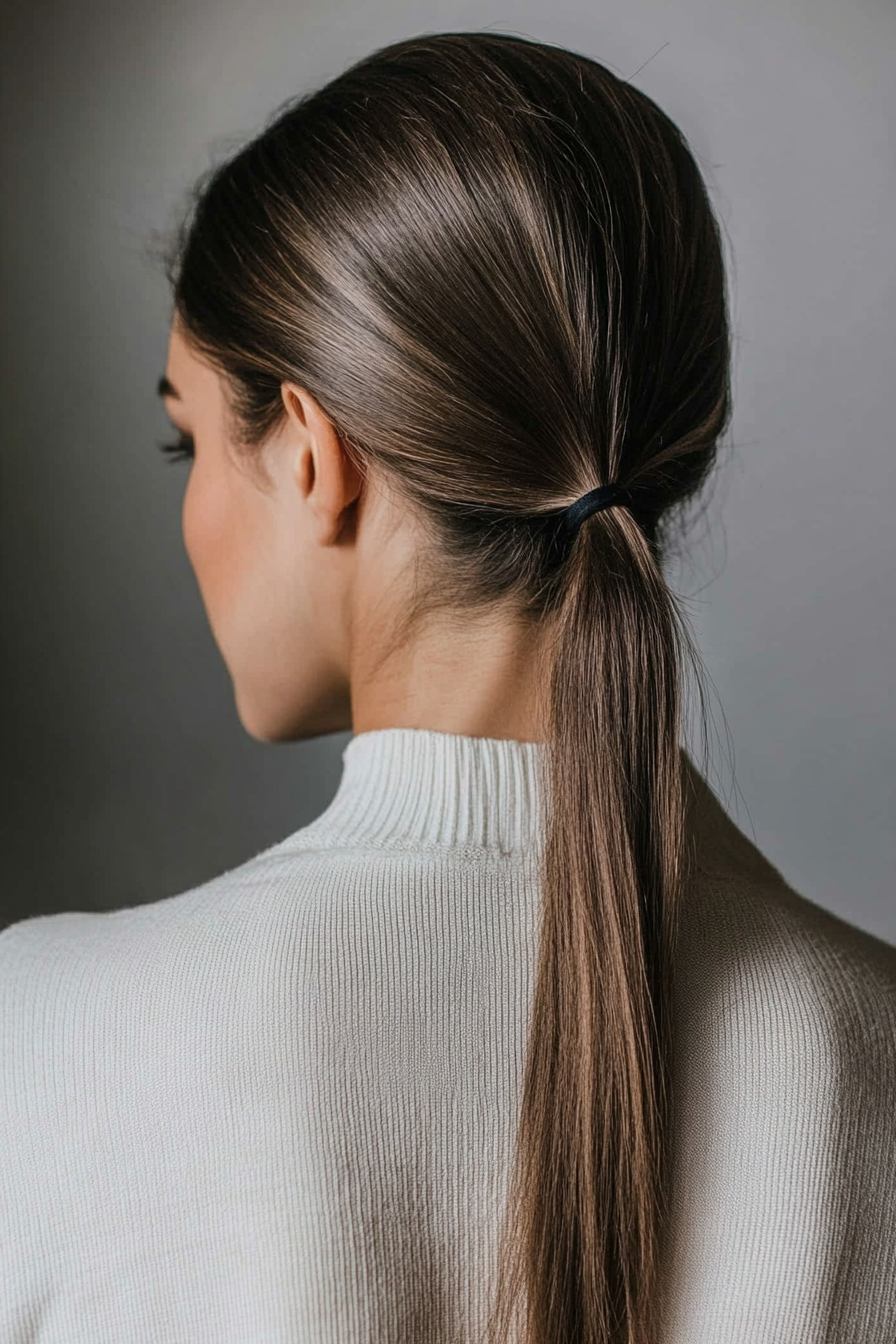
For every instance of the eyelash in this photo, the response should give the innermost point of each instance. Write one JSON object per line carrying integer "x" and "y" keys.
{"x": 182, "y": 450}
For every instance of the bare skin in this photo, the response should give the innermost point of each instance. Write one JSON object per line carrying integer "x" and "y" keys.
{"x": 303, "y": 583}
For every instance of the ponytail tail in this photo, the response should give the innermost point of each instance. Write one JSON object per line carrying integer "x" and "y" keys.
{"x": 588, "y": 1196}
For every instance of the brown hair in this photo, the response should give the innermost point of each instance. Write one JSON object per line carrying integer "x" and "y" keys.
{"x": 495, "y": 265}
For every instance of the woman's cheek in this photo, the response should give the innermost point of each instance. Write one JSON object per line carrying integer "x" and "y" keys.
{"x": 210, "y": 540}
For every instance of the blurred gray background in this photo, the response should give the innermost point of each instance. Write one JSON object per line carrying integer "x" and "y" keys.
{"x": 127, "y": 775}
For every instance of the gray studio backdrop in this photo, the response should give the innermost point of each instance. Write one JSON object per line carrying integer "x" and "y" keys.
{"x": 128, "y": 777}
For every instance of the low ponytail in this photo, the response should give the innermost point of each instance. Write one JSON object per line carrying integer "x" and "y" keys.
{"x": 496, "y": 267}
{"x": 587, "y": 1204}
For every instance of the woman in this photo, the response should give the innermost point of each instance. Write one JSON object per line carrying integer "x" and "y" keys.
{"x": 522, "y": 1038}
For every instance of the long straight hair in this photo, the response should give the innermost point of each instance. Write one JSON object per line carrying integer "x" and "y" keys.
{"x": 495, "y": 265}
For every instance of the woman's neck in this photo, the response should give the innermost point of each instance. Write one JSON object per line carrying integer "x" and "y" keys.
{"x": 481, "y": 676}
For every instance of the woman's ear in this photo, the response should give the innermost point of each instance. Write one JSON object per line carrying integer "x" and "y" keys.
{"x": 321, "y": 467}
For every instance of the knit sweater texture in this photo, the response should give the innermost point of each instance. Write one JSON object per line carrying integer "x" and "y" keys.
{"x": 280, "y": 1107}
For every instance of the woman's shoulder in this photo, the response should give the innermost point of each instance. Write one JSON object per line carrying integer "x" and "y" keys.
{"x": 785, "y": 1027}
{"x": 749, "y": 938}
{"x": 768, "y": 980}
{"x": 784, "y": 1098}
{"x": 784, "y": 1023}
{"x": 112, "y": 958}
{"x": 784, "y": 1121}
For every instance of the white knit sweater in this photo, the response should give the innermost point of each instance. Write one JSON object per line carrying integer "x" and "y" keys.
{"x": 281, "y": 1106}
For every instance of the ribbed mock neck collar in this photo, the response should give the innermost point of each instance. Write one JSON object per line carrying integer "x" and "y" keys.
{"x": 406, "y": 788}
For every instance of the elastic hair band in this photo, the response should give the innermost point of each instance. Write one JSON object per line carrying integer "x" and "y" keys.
{"x": 602, "y": 498}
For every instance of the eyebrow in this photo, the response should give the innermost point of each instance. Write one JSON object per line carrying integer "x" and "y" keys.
{"x": 166, "y": 388}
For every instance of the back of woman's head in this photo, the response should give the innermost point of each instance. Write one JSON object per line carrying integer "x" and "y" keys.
{"x": 495, "y": 266}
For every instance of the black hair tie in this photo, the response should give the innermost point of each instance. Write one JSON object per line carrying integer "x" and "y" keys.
{"x": 595, "y": 500}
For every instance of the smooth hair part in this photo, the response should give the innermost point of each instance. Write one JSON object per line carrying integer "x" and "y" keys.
{"x": 495, "y": 265}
